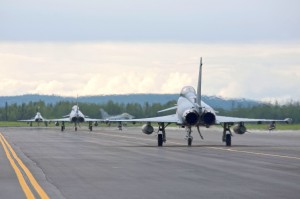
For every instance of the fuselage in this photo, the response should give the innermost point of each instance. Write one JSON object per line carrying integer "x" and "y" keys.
{"x": 76, "y": 115}
{"x": 123, "y": 116}
{"x": 190, "y": 113}
{"x": 38, "y": 117}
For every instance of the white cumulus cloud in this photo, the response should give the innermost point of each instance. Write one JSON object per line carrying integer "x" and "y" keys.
{"x": 256, "y": 71}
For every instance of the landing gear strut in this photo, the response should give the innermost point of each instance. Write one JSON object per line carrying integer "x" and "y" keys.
{"x": 62, "y": 126}
{"x": 226, "y": 134}
{"x": 189, "y": 137}
{"x": 120, "y": 126}
{"x": 91, "y": 126}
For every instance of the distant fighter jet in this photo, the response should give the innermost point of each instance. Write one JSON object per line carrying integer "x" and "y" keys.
{"x": 37, "y": 118}
{"x": 107, "y": 118}
{"x": 192, "y": 112}
{"x": 76, "y": 117}
{"x": 123, "y": 116}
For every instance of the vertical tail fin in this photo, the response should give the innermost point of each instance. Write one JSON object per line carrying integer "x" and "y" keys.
{"x": 104, "y": 114}
{"x": 199, "y": 85}
{"x": 77, "y": 110}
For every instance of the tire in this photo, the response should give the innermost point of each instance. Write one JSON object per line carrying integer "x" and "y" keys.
{"x": 228, "y": 140}
{"x": 62, "y": 128}
{"x": 159, "y": 140}
{"x": 190, "y": 140}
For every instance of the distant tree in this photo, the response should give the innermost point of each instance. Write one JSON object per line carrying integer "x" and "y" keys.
{"x": 15, "y": 112}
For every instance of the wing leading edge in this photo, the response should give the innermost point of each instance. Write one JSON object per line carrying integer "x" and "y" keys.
{"x": 163, "y": 119}
{"x": 225, "y": 119}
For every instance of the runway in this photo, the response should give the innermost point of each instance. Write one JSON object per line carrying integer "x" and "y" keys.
{"x": 108, "y": 163}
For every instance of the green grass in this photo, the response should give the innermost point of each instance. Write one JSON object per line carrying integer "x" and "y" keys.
{"x": 278, "y": 126}
{"x": 12, "y": 124}
{"x": 25, "y": 124}
{"x": 249, "y": 126}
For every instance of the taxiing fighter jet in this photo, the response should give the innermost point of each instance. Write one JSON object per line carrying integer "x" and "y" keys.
{"x": 108, "y": 118}
{"x": 123, "y": 116}
{"x": 76, "y": 117}
{"x": 37, "y": 118}
{"x": 192, "y": 112}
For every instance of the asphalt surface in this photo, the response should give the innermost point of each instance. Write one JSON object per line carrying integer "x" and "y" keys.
{"x": 108, "y": 163}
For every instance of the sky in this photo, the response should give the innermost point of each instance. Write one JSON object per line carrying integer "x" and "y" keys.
{"x": 250, "y": 49}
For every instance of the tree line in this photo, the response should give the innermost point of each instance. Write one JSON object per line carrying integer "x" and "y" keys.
{"x": 267, "y": 111}
{"x": 15, "y": 112}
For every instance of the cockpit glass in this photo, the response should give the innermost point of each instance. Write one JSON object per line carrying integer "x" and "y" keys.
{"x": 75, "y": 108}
{"x": 187, "y": 89}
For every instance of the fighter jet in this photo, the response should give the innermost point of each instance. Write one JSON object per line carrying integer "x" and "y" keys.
{"x": 76, "y": 117}
{"x": 37, "y": 118}
{"x": 108, "y": 118}
{"x": 192, "y": 112}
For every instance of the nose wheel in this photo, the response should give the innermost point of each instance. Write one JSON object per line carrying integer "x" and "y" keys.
{"x": 190, "y": 140}
{"x": 189, "y": 137}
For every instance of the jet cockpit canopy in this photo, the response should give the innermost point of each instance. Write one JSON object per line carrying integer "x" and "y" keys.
{"x": 186, "y": 90}
{"x": 189, "y": 92}
{"x": 75, "y": 108}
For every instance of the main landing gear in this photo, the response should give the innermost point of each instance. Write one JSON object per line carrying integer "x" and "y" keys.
{"x": 90, "y": 126}
{"x": 227, "y": 134}
{"x": 120, "y": 126}
{"x": 63, "y": 126}
{"x": 161, "y": 137}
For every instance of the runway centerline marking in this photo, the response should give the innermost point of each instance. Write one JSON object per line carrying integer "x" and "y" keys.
{"x": 256, "y": 153}
{"x": 123, "y": 136}
{"x": 7, "y": 147}
{"x": 216, "y": 148}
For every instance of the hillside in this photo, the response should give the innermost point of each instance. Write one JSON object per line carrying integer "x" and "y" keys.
{"x": 215, "y": 102}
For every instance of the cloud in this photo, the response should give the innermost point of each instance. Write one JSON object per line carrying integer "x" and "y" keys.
{"x": 256, "y": 71}
{"x": 175, "y": 81}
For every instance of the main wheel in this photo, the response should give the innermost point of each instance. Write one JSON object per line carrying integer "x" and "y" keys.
{"x": 159, "y": 139}
{"x": 62, "y": 128}
{"x": 76, "y": 128}
{"x": 228, "y": 140}
{"x": 91, "y": 128}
